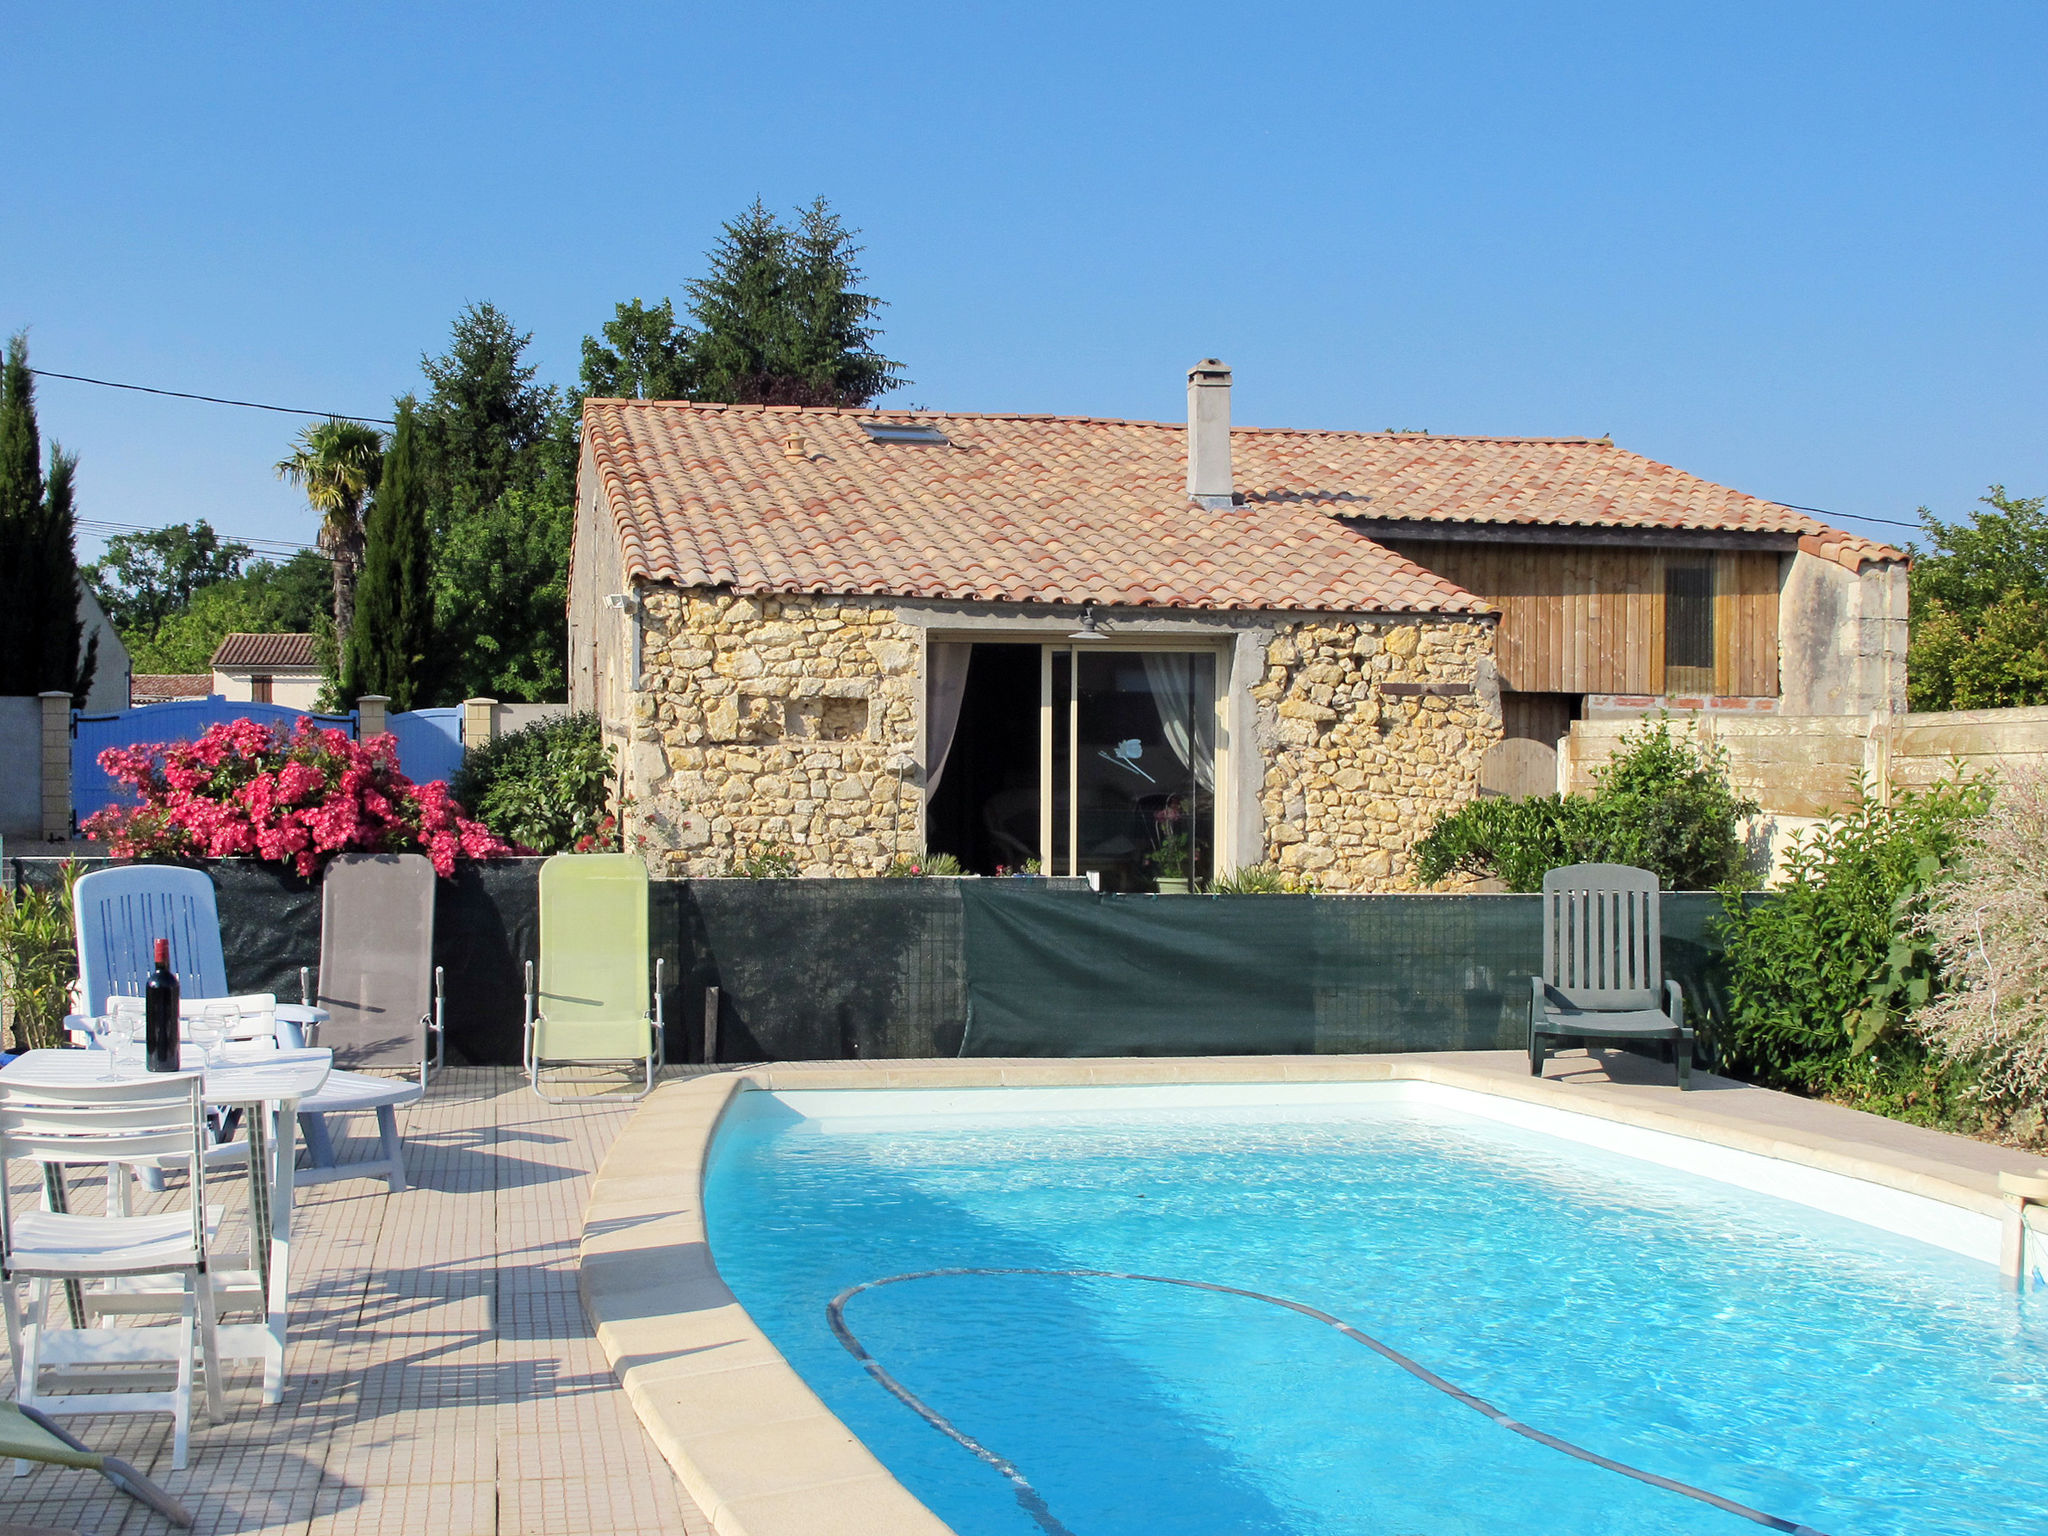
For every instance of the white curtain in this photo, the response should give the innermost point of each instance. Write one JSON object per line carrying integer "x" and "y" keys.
{"x": 945, "y": 667}
{"x": 1189, "y": 723}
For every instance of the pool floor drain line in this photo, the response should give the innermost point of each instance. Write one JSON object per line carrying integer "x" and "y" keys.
{"x": 1033, "y": 1502}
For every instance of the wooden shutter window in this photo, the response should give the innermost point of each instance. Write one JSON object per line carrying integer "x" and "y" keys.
{"x": 259, "y": 690}
{"x": 1689, "y": 629}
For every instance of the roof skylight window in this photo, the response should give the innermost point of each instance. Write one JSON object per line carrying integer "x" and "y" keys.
{"x": 903, "y": 432}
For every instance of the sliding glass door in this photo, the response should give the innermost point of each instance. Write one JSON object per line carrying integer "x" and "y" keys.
{"x": 1128, "y": 761}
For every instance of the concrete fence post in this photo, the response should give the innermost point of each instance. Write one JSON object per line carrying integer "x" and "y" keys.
{"x": 1877, "y": 753}
{"x": 56, "y": 765}
{"x": 372, "y": 717}
{"x": 479, "y": 722}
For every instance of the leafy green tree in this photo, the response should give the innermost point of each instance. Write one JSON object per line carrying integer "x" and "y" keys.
{"x": 387, "y": 649}
{"x": 40, "y": 630}
{"x": 338, "y": 463}
{"x": 501, "y": 592}
{"x": 1980, "y": 608}
{"x": 645, "y": 356}
{"x": 780, "y": 319}
{"x": 269, "y": 598}
{"x": 500, "y": 457}
{"x": 146, "y": 577}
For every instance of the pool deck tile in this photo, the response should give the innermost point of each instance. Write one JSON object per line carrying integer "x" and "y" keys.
{"x": 443, "y": 1377}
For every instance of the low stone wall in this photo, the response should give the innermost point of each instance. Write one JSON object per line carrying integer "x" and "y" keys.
{"x": 1370, "y": 731}
{"x": 1802, "y": 766}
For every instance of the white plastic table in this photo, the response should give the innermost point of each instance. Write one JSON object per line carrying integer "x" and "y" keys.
{"x": 267, "y": 1087}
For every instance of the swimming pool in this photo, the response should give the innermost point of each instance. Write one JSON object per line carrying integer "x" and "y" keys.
{"x": 1303, "y": 1305}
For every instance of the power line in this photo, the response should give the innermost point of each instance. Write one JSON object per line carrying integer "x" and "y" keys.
{"x": 97, "y": 526}
{"x": 179, "y": 394}
{"x": 1854, "y": 517}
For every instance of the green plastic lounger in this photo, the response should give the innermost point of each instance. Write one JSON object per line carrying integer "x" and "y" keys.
{"x": 27, "y": 1434}
{"x": 591, "y": 1006}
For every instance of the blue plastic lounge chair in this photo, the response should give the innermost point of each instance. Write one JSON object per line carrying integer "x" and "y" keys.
{"x": 120, "y": 913}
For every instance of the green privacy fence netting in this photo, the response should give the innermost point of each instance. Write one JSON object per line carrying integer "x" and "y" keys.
{"x": 1071, "y": 973}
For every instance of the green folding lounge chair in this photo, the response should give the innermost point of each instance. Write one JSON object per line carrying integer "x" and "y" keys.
{"x": 26, "y": 1434}
{"x": 591, "y": 1006}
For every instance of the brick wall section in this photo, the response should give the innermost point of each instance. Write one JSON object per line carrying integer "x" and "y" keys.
{"x": 1356, "y": 770}
{"x": 794, "y": 723}
{"x": 767, "y": 722}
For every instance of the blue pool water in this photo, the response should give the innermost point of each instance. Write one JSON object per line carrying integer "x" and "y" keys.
{"x": 1798, "y": 1364}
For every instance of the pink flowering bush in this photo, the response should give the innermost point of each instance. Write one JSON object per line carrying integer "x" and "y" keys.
{"x": 246, "y": 790}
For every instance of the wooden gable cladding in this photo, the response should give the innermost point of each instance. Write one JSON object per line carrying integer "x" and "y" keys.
{"x": 1590, "y": 619}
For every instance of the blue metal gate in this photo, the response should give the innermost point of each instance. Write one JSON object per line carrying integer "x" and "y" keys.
{"x": 429, "y": 743}
{"x": 181, "y": 720}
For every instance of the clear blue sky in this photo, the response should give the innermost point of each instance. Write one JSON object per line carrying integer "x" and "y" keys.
{"x": 1800, "y": 249}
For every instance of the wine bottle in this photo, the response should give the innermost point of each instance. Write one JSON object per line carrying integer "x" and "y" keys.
{"x": 160, "y": 1013}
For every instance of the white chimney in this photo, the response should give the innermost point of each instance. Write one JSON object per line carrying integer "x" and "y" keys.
{"x": 1209, "y": 481}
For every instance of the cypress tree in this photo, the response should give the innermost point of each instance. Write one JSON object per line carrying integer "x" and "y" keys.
{"x": 387, "y": 647}
{"x": 40, "y": 630}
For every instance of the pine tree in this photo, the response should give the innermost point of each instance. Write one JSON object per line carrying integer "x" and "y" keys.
{"x": 483, "y": 419}
{"x": 387, "y": 648}
{"x": 835, "y": 352}
{"x": 40, "y": 630}
{"x": 779, "y": 320}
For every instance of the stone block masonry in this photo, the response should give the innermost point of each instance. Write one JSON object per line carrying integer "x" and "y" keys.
{"x": 795, "y": 723}
{"x": 783, "y": 723}
{"x": 1368, "y": 732}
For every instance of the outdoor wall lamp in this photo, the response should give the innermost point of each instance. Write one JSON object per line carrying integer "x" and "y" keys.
{"x": 1089, "y": 629}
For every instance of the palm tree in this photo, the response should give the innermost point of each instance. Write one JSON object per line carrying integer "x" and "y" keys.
{"x": 339, "y": 462}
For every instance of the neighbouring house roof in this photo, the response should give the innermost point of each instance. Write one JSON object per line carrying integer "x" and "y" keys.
{"x": 160, "y": 687}
{"x": 239, "y": 650}
{"x": 1064, "y": 508}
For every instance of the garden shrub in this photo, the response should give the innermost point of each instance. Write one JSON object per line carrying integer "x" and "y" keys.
{"x": 1663, "y": 804}
{"x": 1822, "y": 976}
{"x": 765, "y": 862}
{"x": 546, "y": 786}
{"x": 247, "y": 790}
{"x": 937, "y": 866}
{"x": 1988, "y": 926}
{"x": 38, "y": 962}
{"x": 1262, "y": 880}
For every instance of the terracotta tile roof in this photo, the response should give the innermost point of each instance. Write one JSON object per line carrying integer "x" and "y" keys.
{"x": 156, "y": 687}
{"x": 240, "y": 650}
{"x": 1061, "y": 508}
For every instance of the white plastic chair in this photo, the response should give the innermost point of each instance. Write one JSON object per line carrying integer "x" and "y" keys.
{"x": 126, "y": 1122}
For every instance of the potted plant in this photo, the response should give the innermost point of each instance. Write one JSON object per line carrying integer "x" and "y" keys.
{"x": 1172, "y": 850}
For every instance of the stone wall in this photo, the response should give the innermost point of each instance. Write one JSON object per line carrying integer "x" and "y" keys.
{"x": 774, "y": 723}
{"x": 795, "y": 723}
{"x": 1368, "y": 732}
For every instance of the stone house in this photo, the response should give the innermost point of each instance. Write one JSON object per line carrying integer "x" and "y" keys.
{"x": 1142, "y": 650}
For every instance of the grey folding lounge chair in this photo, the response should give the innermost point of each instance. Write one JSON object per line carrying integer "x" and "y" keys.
{"x": 29, "y": 1434}
{"x": 1603, "y": 970}
{"x": 381, "y": 992}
